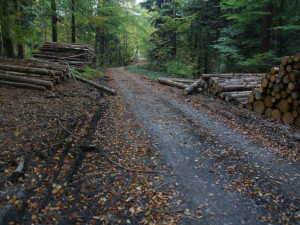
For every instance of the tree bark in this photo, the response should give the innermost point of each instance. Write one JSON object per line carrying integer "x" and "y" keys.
{"x": 22, "y": 85}
{"x": 266, "y": 25}
{"x": 6, "y": 33}
{"x": 188, "y": 90}
{"x": 19, "y": 79}
{"x": 73, "y": 22}
{"x": 19, "y": 22}
{"x": 101, "y": 87}
{"x": 54, "y": 21}
{"x": 27, "y": 70}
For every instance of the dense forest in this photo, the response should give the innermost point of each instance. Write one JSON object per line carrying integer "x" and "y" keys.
{"x": 181, "y": 37}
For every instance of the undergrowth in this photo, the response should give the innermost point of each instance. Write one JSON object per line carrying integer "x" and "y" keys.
{"x": 89, "y": 73}
{"x": 152, "y": 74}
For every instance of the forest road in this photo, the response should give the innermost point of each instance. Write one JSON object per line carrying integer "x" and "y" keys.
{"x": 222, "y": 176}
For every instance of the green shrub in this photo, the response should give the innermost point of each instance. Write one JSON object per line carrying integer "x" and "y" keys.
{"x": 179, "y": 69}
{"x": 89, "y": 73}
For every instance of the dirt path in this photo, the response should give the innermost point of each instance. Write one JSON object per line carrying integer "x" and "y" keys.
{"x": 146, "y": 156}
{"x": 226, "y": 176}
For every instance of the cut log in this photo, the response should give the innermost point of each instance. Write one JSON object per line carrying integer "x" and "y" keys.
{"x": 259, "y": 107}
{"x": 297, "y": 57}
{"x": 181, "y": 80}
{"x": 283, "y": 106}
{"x": 276, "y": 114}
{"x": 22, "y": 85}
{"x": 27, "y": 70}
{"x": 288, "y": 117}
{"x": 237, "y": 88}
{"x": 264, "y": 82}
{"x": 284, "y": 60}
{"x": 268, "y": 112}
{"x": 98, "y": 86}
{"x": 188, "y": 90}
{"x": 297, "y": 121}
{"x": 171, "y": 83}
{"x": 251, "y": 98}
{"x": 274, "y": 70}
{"x": 294, "y": 75}
{"x": 234, "y": 95}
{"x": 268, "y": 101}
{"x": 19, "y": 79}
{"x": 207, "y": 76}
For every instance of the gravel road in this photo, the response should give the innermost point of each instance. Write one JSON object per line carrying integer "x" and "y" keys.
{"x": 218, "y": 171}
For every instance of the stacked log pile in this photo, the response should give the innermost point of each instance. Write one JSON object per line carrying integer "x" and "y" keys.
{"x": 32, "y": 74}
{"x": 232, "y": 87}
{"x": 279, "y": 94}
{"x": 76, "y": 55}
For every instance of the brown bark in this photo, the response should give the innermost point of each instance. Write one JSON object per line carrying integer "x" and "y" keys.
{"x": 259, "y": 107}
{"x": 19, "y": 79}
{"x": 188, "y": 90}
{"x": 27, "y": 70}
{"x": 22, "y": 85}
{"x": 101, "y": 87}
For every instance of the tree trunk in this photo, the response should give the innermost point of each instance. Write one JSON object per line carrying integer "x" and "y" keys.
{"x": 73, "y": 22}
{"x": 6, "y": 33}
{"x": 19, "y": 22}
{"x": 54, "y": 21}
{"x": 206, "y": 56}
{"x": 266, "y": 25}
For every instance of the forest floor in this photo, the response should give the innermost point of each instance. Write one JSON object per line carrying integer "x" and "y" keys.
{"x": 146, "y": 156}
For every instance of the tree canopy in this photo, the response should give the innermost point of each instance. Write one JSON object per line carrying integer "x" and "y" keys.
{"x": 181, "y": 37}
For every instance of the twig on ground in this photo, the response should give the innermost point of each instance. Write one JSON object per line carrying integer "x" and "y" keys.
{"x": 66, "y": 128}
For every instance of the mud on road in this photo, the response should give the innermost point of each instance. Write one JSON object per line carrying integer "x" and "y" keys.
{"x": 150, "y": 156}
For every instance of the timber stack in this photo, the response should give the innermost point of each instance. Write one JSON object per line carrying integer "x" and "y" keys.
{"x": 76, "y": 55}
{"x": 232, "y": 87}
{"x": 279, "y": 94}
{"x": 33, "y": 74}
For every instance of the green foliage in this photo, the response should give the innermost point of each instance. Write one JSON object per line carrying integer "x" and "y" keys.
{"x": 152, "y": 74}
{"x": 260, "y": 62}
{"x": 89, "y": 73}
{"x": 179, "y": 69}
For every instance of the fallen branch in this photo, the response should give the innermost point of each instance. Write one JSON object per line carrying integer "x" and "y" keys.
{"x": 66, "y": 128}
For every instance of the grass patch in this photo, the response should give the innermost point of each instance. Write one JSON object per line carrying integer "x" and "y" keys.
{"x": 152, "y": 74}
{"x": 89, "y": 73}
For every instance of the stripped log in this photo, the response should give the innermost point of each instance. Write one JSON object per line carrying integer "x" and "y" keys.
{"x": 171, "y": 83}
{"x": 188, "y": 90}
{"x": 98, "y": 86}
{"x": 23, "y": 85}
{"x": 27, "y": 70}
{"x": 19, "y": 79}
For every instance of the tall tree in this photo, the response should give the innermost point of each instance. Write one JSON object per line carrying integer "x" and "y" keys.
{"x": 6, "y": 22}
{"x": 73, "y": 21}
{"x": 54, "y": 20}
